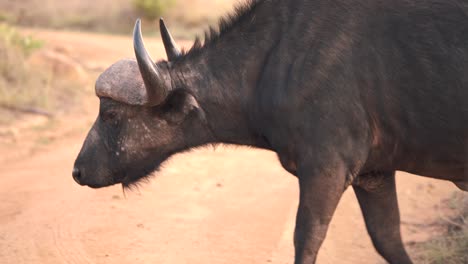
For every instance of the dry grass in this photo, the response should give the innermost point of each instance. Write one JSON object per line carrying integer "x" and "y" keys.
{"x": 452, "y": 246}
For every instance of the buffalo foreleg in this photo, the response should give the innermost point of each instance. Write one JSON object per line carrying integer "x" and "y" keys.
{"x": 320, "y": 191}
{"x": 377, "y": 197}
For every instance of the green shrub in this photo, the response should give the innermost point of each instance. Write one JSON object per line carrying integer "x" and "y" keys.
{"x": 152, "y": 9}
{"x": 10, "y": 37}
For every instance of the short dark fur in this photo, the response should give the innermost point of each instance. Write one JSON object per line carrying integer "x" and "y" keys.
{"x": 345, "y": 92}
{"x": 241, "y": 12}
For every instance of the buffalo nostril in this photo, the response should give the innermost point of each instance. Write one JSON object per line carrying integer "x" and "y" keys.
{"x": 76, "y": 174}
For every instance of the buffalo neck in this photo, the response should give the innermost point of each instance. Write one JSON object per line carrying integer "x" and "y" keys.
{"x": 224, "y": 72}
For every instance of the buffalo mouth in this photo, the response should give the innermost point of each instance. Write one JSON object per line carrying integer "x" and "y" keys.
{"x": 128, "y": 176}
{"x": 97, "y": 181}
{"x": 95, "y": 184}
{"x": 99, "y": 185}
{"x": 127, "y": 182}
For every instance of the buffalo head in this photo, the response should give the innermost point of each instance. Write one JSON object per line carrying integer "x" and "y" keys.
{"x": 144, "y": 118}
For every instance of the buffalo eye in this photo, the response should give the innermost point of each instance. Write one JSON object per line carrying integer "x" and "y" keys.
{"x": 108, "y": 116}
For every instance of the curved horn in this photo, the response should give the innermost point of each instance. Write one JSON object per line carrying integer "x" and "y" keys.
{"x": 155, "y": 87}
{"x": 169, "y": 44}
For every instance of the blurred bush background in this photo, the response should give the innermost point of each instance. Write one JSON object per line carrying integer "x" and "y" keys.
{"x": 26, "y": 83}
{"x": 40, "y": 78}
{"x": 152, "y": 9}
{"x": 112, "y": 16}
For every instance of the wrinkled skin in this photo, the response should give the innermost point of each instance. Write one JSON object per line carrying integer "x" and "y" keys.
{"x": 345, "y": 92}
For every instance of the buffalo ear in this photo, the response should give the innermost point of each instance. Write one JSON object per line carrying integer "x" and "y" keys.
{"x": 180, "y": 105}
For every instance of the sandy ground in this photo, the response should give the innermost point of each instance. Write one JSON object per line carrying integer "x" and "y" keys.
{"x": 230, "y": 205}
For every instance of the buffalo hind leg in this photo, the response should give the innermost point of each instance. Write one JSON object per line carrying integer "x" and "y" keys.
{"x": 376, "y": 193}
{"x": 320, "y": 191}
{"x": 462, "y": 185}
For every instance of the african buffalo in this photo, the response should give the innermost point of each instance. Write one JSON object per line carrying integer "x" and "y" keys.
{"x": 346, "y": 92}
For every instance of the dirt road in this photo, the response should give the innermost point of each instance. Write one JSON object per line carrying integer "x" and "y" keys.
{"x": 231, "y": 205}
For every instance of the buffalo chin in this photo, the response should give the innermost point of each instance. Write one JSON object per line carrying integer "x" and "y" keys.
{"x": 134, "y": 183}
{"x": 137, "y": 178}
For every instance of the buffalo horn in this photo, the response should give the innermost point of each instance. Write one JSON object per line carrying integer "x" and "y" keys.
{"x": 169, "y": 44}
{"x": 155, "y": 87}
